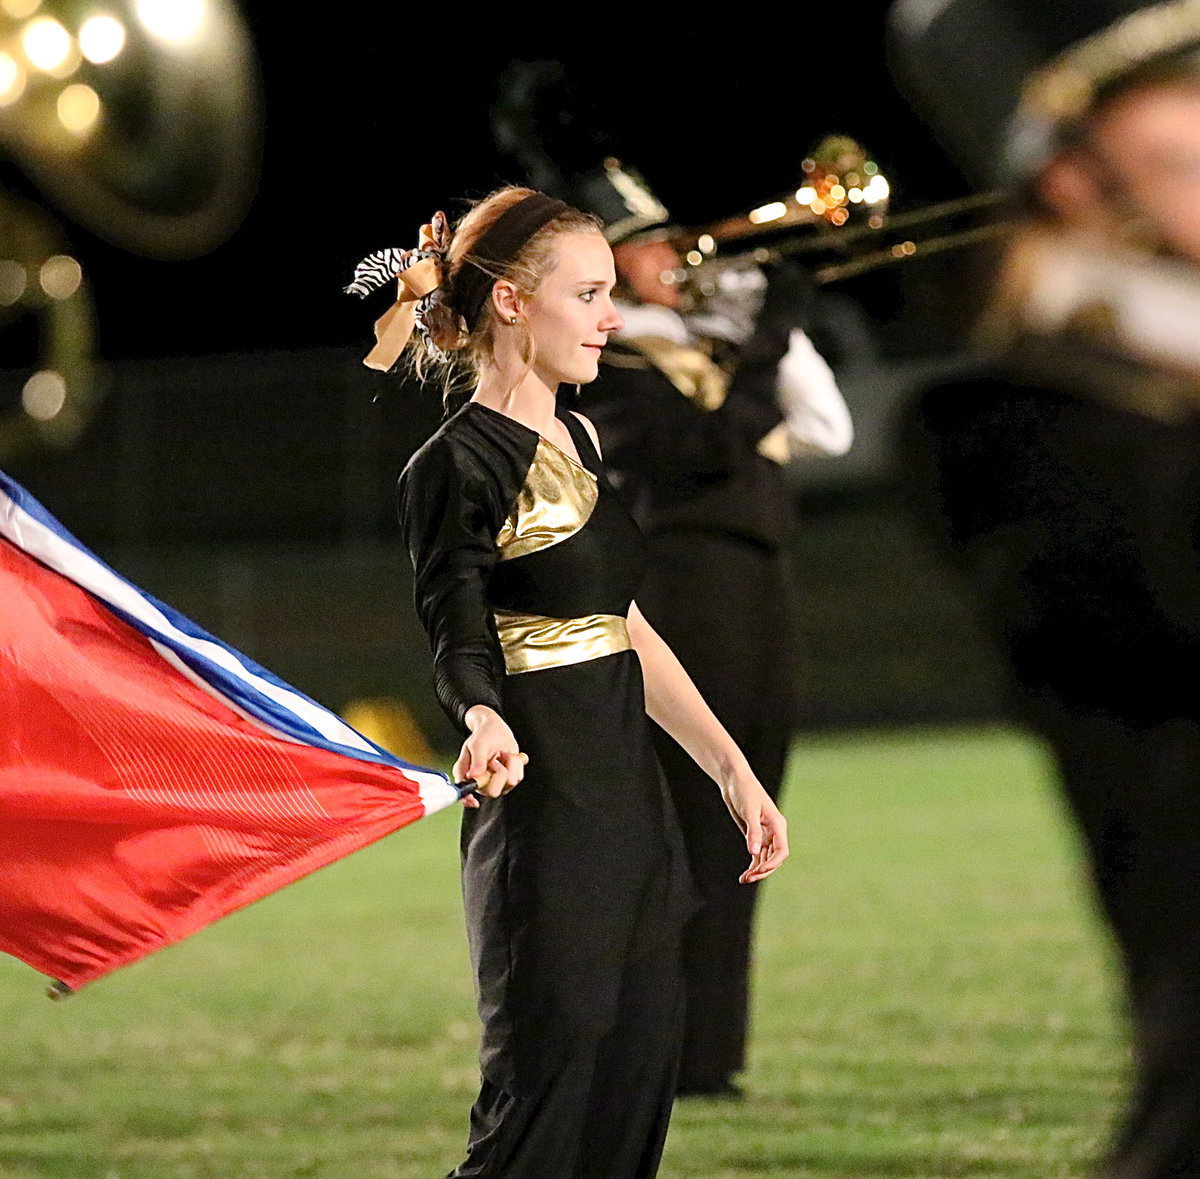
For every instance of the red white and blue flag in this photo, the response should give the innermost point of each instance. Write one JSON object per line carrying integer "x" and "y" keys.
{"x": 152, "y": 779}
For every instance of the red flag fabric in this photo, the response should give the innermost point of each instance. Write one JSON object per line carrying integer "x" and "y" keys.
{"x": 138, "y": 802}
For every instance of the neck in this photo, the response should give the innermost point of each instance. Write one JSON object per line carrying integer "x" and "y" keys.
{"x": 514, "y": 388}
{"x": 523, "y": 395}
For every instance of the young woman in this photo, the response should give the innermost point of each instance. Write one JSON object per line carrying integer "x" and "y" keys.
{"x": 526, "y": 567}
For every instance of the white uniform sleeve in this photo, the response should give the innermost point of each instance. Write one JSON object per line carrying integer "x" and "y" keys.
{"x": 815, "y": 413}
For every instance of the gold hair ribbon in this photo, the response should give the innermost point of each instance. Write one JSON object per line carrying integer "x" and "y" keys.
{"x": 394, "y": 327}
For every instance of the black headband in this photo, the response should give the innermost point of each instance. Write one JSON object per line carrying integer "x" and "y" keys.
{"x": 499, "y": 246}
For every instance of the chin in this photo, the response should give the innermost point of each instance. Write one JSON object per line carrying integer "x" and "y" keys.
{"x": 580, "y": 374}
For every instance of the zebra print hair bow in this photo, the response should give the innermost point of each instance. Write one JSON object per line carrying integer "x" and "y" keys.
{"x": 376, "y": 269}
{"x": 418, "y": 275}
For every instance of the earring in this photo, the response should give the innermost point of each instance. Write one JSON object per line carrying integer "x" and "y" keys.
{"x": 512, "y": 319}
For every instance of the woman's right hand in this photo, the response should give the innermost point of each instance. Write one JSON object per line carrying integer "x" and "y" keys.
{"x": 490, "y": 756}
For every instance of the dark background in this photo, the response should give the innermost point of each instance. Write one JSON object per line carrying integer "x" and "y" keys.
{"x": 376, "y": 117}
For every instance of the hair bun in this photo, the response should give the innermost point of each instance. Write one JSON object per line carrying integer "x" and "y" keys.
{"x": 441, "y": 328}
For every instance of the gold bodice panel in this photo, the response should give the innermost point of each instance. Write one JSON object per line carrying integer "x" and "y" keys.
{"x": 555, "y": 502}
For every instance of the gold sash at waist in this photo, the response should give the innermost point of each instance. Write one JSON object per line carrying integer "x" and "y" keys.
{"x": 532, "y": 642}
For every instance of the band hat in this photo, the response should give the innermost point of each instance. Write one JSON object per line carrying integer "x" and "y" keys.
{"x": 567, "y": 147}
{"x": 620, "y": 198}
{"x": 999, "y": 81}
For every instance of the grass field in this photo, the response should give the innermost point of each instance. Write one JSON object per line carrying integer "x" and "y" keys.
{"x": 934, "y": 999}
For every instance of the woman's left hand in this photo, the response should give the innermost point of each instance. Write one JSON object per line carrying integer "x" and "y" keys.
{"x": 764, "y": 827}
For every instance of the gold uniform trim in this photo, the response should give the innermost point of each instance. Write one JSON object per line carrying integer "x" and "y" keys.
{"x": 700, "y": 379}
{"x": 1066, "y": 87}
{"x": 696, "y": 375}
{"x": 556, "y": 501}
{"x": 532, "y": 642}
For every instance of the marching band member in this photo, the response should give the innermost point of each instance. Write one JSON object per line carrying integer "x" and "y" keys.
{"x": 697, "y": 446}
{"x": 1063, "y": 479}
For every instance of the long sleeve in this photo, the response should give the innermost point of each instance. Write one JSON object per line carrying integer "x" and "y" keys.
{"x": 446, "y": 521}
{"x": 760, "y": 368}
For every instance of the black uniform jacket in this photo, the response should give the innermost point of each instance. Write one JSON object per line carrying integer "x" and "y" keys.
{"x": 680, "y": 465}
{"x": 1066, "y": 482}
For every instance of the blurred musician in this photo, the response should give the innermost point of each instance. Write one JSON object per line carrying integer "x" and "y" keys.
{"x": 1064, "y": 479}
{"x": 696, "y": 415}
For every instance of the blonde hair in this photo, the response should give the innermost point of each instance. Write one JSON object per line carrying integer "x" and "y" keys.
{"x": 462, "y": 351}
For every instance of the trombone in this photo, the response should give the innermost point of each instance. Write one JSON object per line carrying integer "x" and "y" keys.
{"x": 840, "y": 209}
{"x": 891, "y": 240}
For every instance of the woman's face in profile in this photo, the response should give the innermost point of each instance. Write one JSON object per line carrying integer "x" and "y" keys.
{"x": 571, "y": 314}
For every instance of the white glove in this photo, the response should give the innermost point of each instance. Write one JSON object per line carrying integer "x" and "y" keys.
{"x": 814, "y": 411}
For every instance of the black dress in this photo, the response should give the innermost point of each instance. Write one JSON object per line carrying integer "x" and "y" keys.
{"x": 575, "y": 883}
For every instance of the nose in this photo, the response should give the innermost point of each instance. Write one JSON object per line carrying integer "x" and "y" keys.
{"x": 612, "y": 321}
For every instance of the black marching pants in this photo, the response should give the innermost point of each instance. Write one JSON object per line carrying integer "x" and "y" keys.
{"x": 576, "y": 940}
{"x": 605, "y": 1112}
{"x": 1135, "y": 794}
{"x": 724, "y": 605}
{"x": 604, "y": 1105}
